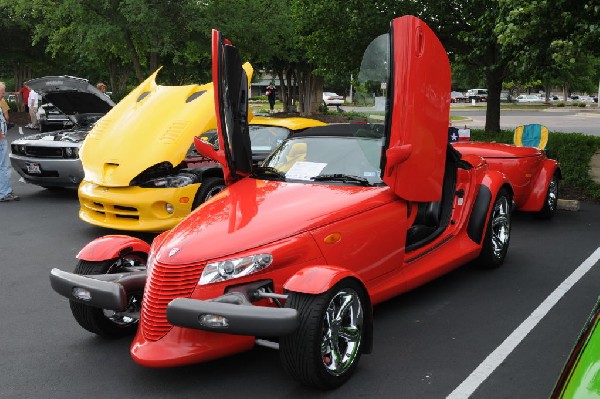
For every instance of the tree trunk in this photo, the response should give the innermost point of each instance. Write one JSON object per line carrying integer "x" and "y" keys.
{"x": 310, "y": 89}
{"x": 118, "y": 76}
{"x": 21, "y": 74}
{"x": 284, "y": 91}
{"x": 154, "y": 61}
{"x": 492, "y": 114}
{"x": 137, "y": 66}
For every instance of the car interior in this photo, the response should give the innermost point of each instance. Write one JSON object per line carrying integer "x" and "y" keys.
{"x": 431, "y": 218}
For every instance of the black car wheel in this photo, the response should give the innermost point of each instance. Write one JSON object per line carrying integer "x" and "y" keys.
{"x": 209, "y": 187}
{"x": 551, "y": 200}
{"x": 497, "y": 236}
{"x": 326, "y": 348}
{"x": 103, "y": 322}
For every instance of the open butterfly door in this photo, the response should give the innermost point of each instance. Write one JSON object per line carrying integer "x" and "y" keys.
{"x": 419, "y": 103}
{"x": 231, "y": 87}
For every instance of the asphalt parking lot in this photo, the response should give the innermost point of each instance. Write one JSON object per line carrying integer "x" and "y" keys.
{"x": 427, "y": 343}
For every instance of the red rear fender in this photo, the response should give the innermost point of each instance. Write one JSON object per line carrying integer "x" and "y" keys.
{"x": 112, "y": 246}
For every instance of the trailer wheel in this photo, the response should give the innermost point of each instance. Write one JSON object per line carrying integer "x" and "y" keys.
{"x": 551, "y": 201}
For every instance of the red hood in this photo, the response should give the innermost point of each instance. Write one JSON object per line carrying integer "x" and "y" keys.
{"x": 252, "y": 212}
{"x": 496, "y": 150}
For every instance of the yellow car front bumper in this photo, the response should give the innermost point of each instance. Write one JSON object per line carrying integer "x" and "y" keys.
{"x": 135, "y": 208}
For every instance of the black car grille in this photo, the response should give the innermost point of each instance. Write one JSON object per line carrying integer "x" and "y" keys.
{"x": 43, "y": 152}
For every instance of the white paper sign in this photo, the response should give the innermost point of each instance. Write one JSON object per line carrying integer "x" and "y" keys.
{"x": 305, "y": 170}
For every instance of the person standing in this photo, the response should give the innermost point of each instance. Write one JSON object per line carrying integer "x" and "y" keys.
{"x": 271, "y": 95}
{"x": 33, "y": 101}
{"x": 24, "y": 92}
{"x": 6, "y": 193}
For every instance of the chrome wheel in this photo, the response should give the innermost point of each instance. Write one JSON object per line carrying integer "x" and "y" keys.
{"x": 129, "y": 316}
{"x": 209, "y": 187}
{"x": 104, "y": 322}
{"x": 500, "y": 225}
{"x": 325, "y": 349}
{"x": 552, "y": 197}
{"x": 342, "y": 328}
{"x": 214, "y": 191}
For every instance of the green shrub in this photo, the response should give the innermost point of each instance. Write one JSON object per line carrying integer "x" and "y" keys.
{"x": 582, "y": 105}
{"x": 560, "y": 104}
{"x": 572, "y": 150}
{"x": 258, "y": 98}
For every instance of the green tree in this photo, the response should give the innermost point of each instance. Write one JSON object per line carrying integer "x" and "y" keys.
{"x": 559, "y": 40}
{"x": 121, "y": 37}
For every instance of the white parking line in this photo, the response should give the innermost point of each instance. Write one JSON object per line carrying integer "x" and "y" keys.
{"x": 494, "y": 359}
{"x": 20, "y": 130}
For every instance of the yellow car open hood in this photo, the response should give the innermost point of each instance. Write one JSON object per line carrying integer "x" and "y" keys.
{"x": 153, "y": 124}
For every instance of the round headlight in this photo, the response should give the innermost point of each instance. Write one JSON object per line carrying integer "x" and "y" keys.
{"x": 169, "y": 208}
{"x": 69, "y": 152}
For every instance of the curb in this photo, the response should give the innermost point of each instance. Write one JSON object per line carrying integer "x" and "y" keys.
{"x": 568, "y": 205}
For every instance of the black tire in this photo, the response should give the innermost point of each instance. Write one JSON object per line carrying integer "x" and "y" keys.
{"x": 497, "y": 235}
{"x": 551, "y": 201}
{"x": 209, "y": 187}
{"x": 105, "y": 323}
{"x": 303, "y": 353}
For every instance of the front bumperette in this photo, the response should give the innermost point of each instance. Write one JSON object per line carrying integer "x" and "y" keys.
{"x": 232, "y": 314}
{"x": 106, "y": 291}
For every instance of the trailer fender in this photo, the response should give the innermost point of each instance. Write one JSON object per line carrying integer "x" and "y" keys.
{"x": 539, "y": 188}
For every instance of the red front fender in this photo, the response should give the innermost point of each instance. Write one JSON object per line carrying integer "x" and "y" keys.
{"x": 112, "y": 246}
{"x": 317, "y": 279}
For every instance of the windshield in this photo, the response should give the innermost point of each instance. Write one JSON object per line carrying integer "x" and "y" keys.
{"x": 266, "y": 138}
{"x": 343, "y": 159}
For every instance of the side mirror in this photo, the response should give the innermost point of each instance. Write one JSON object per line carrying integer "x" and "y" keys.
{"x": 396, "y": 155}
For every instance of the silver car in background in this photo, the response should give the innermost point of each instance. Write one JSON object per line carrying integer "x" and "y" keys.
{"x": 51, "y": 159}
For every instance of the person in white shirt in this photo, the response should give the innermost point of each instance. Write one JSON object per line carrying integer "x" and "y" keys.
{"x": 33, "y": 109}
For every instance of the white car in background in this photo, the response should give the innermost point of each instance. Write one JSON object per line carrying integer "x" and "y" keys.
{"x": 528, "y": 98}
{"x": 330, "y": 98}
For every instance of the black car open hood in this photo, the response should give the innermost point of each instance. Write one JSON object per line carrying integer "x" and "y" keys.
{"x": 72, "y": 95}
{"x": 69, "y": 136}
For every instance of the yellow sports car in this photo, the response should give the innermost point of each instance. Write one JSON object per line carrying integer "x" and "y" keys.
{"x": 142, "y": 172}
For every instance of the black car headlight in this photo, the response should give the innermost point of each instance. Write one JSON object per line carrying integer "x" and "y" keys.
{"x": 180, "y": 180}
{"x": 71, "y": 152}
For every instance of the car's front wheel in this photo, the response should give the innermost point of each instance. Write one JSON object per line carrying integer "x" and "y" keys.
{"x": 103, "y": 322}
{"x": 209, "y": 187}
{"x": 497, "y": 235}
{"x": 326, "y": 348}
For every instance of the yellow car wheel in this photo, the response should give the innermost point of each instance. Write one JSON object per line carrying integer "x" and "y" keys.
{"x": 210, "y": 187}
